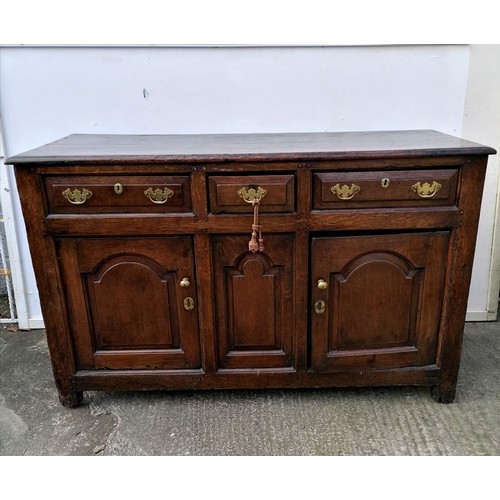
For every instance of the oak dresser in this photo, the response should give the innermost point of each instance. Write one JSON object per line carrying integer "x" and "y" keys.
{"x": 253, "y": 260}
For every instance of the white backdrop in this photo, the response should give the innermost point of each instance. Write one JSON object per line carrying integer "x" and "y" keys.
{"x": 50, "y": 92}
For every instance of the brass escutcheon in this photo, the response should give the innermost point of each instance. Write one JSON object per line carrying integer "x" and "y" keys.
{"x": 77, "y": 197}
{"x": 426, "y": 190}
{"x": 188, "y": 303}
{"x": 320, "y": 307}
{"x": 252, "y": 195}
{"x": 345, "y": 192}
{"x": 118, "y": 188}
{"x": 158, "y": 195}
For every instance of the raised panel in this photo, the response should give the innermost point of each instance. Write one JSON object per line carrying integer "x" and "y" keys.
{"x": 126, "y": 305}
{"x": 387, "y": 188}
{"x": 118, "y": 194}
{"x": 254, "y": 327}
{"x": 254, "y": 302}
{"x": 383, "y": 300}
{"x": 368, "y": 289}
{"x": 124, "y": 289}
{"x": 225, "y": 198}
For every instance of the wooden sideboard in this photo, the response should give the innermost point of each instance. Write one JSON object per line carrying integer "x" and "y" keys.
{"x": 357, "y": 272}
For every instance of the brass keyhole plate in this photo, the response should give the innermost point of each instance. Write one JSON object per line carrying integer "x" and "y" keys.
{"x": 188, "y": 303}
{"x": 320, "y": 307}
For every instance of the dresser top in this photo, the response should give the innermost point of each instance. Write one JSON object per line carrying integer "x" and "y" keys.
{"x": 106, "y": 148}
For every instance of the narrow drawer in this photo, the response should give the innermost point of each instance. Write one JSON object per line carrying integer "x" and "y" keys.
{"x": 124, "y": 194}
{"x": 384, "y": 188}
{"x": 233, "y": 194}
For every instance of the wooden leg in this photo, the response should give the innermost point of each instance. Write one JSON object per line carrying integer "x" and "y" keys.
{"x": 443, "y": 394}
{"x": 71, "y": 399}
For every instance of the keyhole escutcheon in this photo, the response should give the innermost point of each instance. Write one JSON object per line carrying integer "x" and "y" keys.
{"x": 320, "y": 307}
{"x": 188, "y": 303}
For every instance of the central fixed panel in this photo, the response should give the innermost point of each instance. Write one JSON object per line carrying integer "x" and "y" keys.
{"x": 254, "y": 302}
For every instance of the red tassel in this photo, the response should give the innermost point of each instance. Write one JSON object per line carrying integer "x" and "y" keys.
{"x": 254, "y": 245}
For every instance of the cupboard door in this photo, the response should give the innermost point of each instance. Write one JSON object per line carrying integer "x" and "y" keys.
{"x": 254, "y": 302}
{"x": 376, "y": 300}
{"x": 126, "y": 302}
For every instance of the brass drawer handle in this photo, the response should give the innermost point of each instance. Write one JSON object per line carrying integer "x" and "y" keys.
{"x": 77, "y": 197}
{"x": 345, "y": 192}
{"x": 252, "y": 195}
{"x": 158, "y": 195}
{"x": 426, "y": 190}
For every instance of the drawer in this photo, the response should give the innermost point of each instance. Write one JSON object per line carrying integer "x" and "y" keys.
{"x": 122, "y": 194}
{"x": 385, "y": 188}
{"x": 228, "y": 193}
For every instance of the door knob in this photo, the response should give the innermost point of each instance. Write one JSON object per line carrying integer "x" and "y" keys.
{"x": 322, "y": 284}
{"x": 185, "y": 282}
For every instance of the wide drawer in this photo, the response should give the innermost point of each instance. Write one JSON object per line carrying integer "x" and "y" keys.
{"x": 384, "y": 188}
{"x": 108, "y": 194}
{"x": 234, "y": 194}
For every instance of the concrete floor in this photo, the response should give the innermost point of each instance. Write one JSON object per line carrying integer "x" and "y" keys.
{"x": 373, "y": 421}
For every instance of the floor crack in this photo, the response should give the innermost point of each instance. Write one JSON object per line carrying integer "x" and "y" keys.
{"x": 101, "y": 447}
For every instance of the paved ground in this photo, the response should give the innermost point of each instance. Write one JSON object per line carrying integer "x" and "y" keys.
{"x": 377, "y": 421}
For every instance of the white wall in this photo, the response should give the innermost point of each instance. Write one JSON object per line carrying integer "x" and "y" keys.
{"x": 482, "y": 123}
{"x": 47, "y": 93}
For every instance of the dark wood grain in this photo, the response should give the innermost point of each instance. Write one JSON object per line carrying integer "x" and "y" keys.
{"x": 245, "y": 379}
{"x": 459, "y": 270}
{"x": 224, "y": 197}
{"x": 157, "y": 225}
{"x": 301, "y": 270}
{"x": 205, "y": 284}
{"x": 131, "y": 197}
{"x": 111, "y": 271}
{"x": 382, "y": 299}
{"x": 397, "y": 190}
{"x": 50, "y": 288}
{"x": 114, "y": 283}
{"x": 243, "y": 147}
{"x": 254, "y": 302}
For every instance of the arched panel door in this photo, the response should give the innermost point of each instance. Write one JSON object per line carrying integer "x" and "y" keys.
{"x": 376, "y": 300}
{"x": 254, "y": 302}
{"x": 127, "y": 304}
